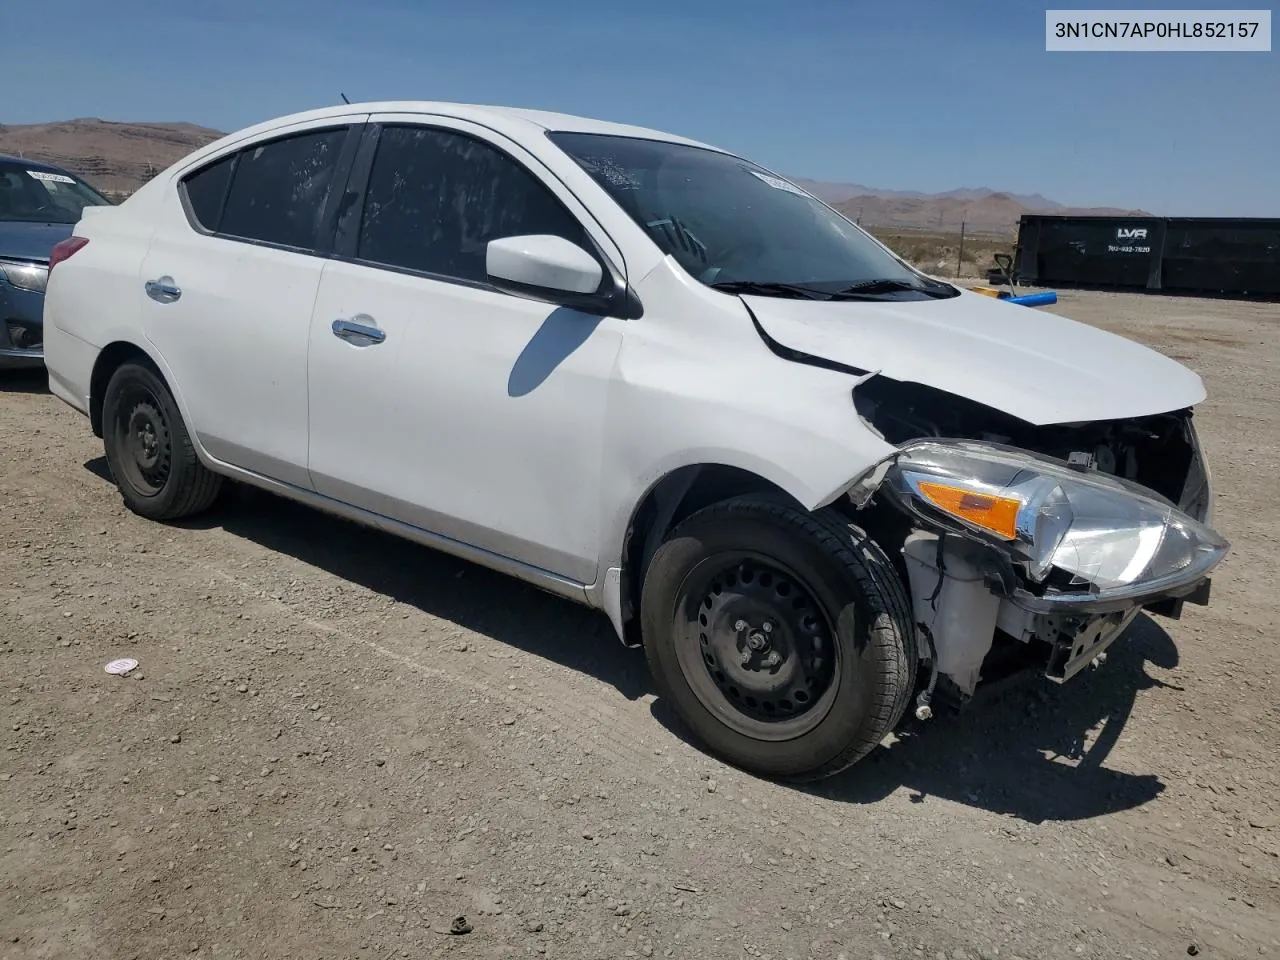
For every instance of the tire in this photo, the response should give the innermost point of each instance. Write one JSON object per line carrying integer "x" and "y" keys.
{"x": 841, "y": 625}
{"x": 149, "y": 449}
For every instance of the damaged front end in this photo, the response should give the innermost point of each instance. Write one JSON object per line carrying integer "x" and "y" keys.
{"x": 1022, "y": 540}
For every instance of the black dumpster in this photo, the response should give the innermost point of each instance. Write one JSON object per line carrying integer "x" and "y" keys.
{"x": 1222, "y": 256}
{"x": 1197, "y": 255}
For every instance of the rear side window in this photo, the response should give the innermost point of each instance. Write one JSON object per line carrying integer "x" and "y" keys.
{"x": 278, "y": 190}
{"x": 436, "y": 198}
{"x": 206, "y": 190}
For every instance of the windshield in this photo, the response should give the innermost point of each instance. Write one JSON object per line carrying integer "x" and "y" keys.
{"x": 31, "y": 195}
{"x": 732, "y": 225}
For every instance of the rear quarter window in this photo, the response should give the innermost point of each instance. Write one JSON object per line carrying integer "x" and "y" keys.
{"x": 206, "y": 190}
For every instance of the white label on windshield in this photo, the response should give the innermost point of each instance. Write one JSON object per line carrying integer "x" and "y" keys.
{"x": 51, "y": 177}
{"x": 778, "y": 184}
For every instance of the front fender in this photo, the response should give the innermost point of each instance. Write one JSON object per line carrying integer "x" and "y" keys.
{"x": 800, "y": 432}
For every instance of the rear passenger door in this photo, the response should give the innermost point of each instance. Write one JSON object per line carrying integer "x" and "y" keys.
{"x": 228, "y": 286}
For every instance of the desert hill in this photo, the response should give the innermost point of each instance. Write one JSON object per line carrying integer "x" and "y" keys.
{"x": 113, "y": 157}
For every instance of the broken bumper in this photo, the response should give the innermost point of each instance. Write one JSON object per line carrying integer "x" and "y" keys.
{"x": 1168, "y": 594}
{"x": 1072, "y": 653}
{"x": 1013, "y": 543}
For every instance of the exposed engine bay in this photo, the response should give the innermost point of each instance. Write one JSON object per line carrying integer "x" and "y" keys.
{"x": 1160, "y": 452}
{"x": 970, "y": 629}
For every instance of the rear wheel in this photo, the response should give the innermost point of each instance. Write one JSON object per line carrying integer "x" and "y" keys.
{"x": 783, "y": 639}
{"x": 149, "y": 450}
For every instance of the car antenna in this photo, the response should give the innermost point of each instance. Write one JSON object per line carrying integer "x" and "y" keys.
{"x": 344, "y": 97}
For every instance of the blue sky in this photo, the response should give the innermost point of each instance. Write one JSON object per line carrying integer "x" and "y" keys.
{"x": 909, "y": 94}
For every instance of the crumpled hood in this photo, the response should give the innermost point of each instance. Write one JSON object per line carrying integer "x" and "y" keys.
{"x": 1030, "y": 364}
{"x": 31, "y": 241}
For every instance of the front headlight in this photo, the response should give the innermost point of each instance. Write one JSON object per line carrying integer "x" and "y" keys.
{"x": 25, "y": 276}
{"x": 1110, "y": 537}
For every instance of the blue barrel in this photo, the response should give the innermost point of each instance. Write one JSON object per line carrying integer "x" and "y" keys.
{"x": 1033, "y": 299}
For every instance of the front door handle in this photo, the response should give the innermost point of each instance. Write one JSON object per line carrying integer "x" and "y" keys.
{"x": 163, "y": 290}
{"x": 358, "y": 333}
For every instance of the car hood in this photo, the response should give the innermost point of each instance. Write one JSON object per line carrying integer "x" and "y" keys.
{"x": 1030, "y": 364}
{"x": 31, "y": 241}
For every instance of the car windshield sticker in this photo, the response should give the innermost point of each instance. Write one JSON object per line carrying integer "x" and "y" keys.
{"x": 778, "y": 184}
{"x": 49, "y": 177}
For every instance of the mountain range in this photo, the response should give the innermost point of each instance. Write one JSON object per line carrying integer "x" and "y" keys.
{"x": 842, "y": 192}
{"x": 979, "y": 210}
{"x": 118, "y": 157}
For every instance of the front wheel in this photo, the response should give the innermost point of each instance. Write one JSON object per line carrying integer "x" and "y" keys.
{"x": 783, "y": 639}
{"x": 149, "y": 449}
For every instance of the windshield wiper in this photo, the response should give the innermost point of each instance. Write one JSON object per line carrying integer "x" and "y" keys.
{"x": 770, "y": 289}
{"x": 880, "y": 285}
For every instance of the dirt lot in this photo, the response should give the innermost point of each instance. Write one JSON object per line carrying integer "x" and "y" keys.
{"x": 337, "y": 742}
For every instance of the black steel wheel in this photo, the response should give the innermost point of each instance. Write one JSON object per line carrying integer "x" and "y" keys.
{"x": 756, "y": 646}
{"x": 783, "y": 639}
{"x": 142, "y": 436}
{"x": 149, "y": 449}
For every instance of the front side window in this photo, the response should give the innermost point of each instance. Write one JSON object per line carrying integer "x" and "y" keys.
{"x": 279, "y": 188}
{"x": 436, "y": 198}
{"x": 29, "y": 194}
{"x": 731, "y": 224}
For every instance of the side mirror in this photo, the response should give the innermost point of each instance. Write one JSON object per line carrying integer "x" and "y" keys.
{"x": 542, "y": 264}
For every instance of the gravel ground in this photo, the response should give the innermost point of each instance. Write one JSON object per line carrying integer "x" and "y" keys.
{"x": 337, "y": 743}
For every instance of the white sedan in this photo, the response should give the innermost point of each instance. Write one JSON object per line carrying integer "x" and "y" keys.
{"x": 821, "y": 489}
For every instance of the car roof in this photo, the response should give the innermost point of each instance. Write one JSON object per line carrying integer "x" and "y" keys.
{"x": 499, "y": 117}
{"x": 31, "y": 164}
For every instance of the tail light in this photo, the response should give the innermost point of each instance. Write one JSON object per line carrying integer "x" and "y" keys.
{"x": 63, "y": 249}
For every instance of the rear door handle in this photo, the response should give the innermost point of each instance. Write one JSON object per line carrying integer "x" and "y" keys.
{"x": 359, "y": 331}
{"x": 163, "y": 290}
